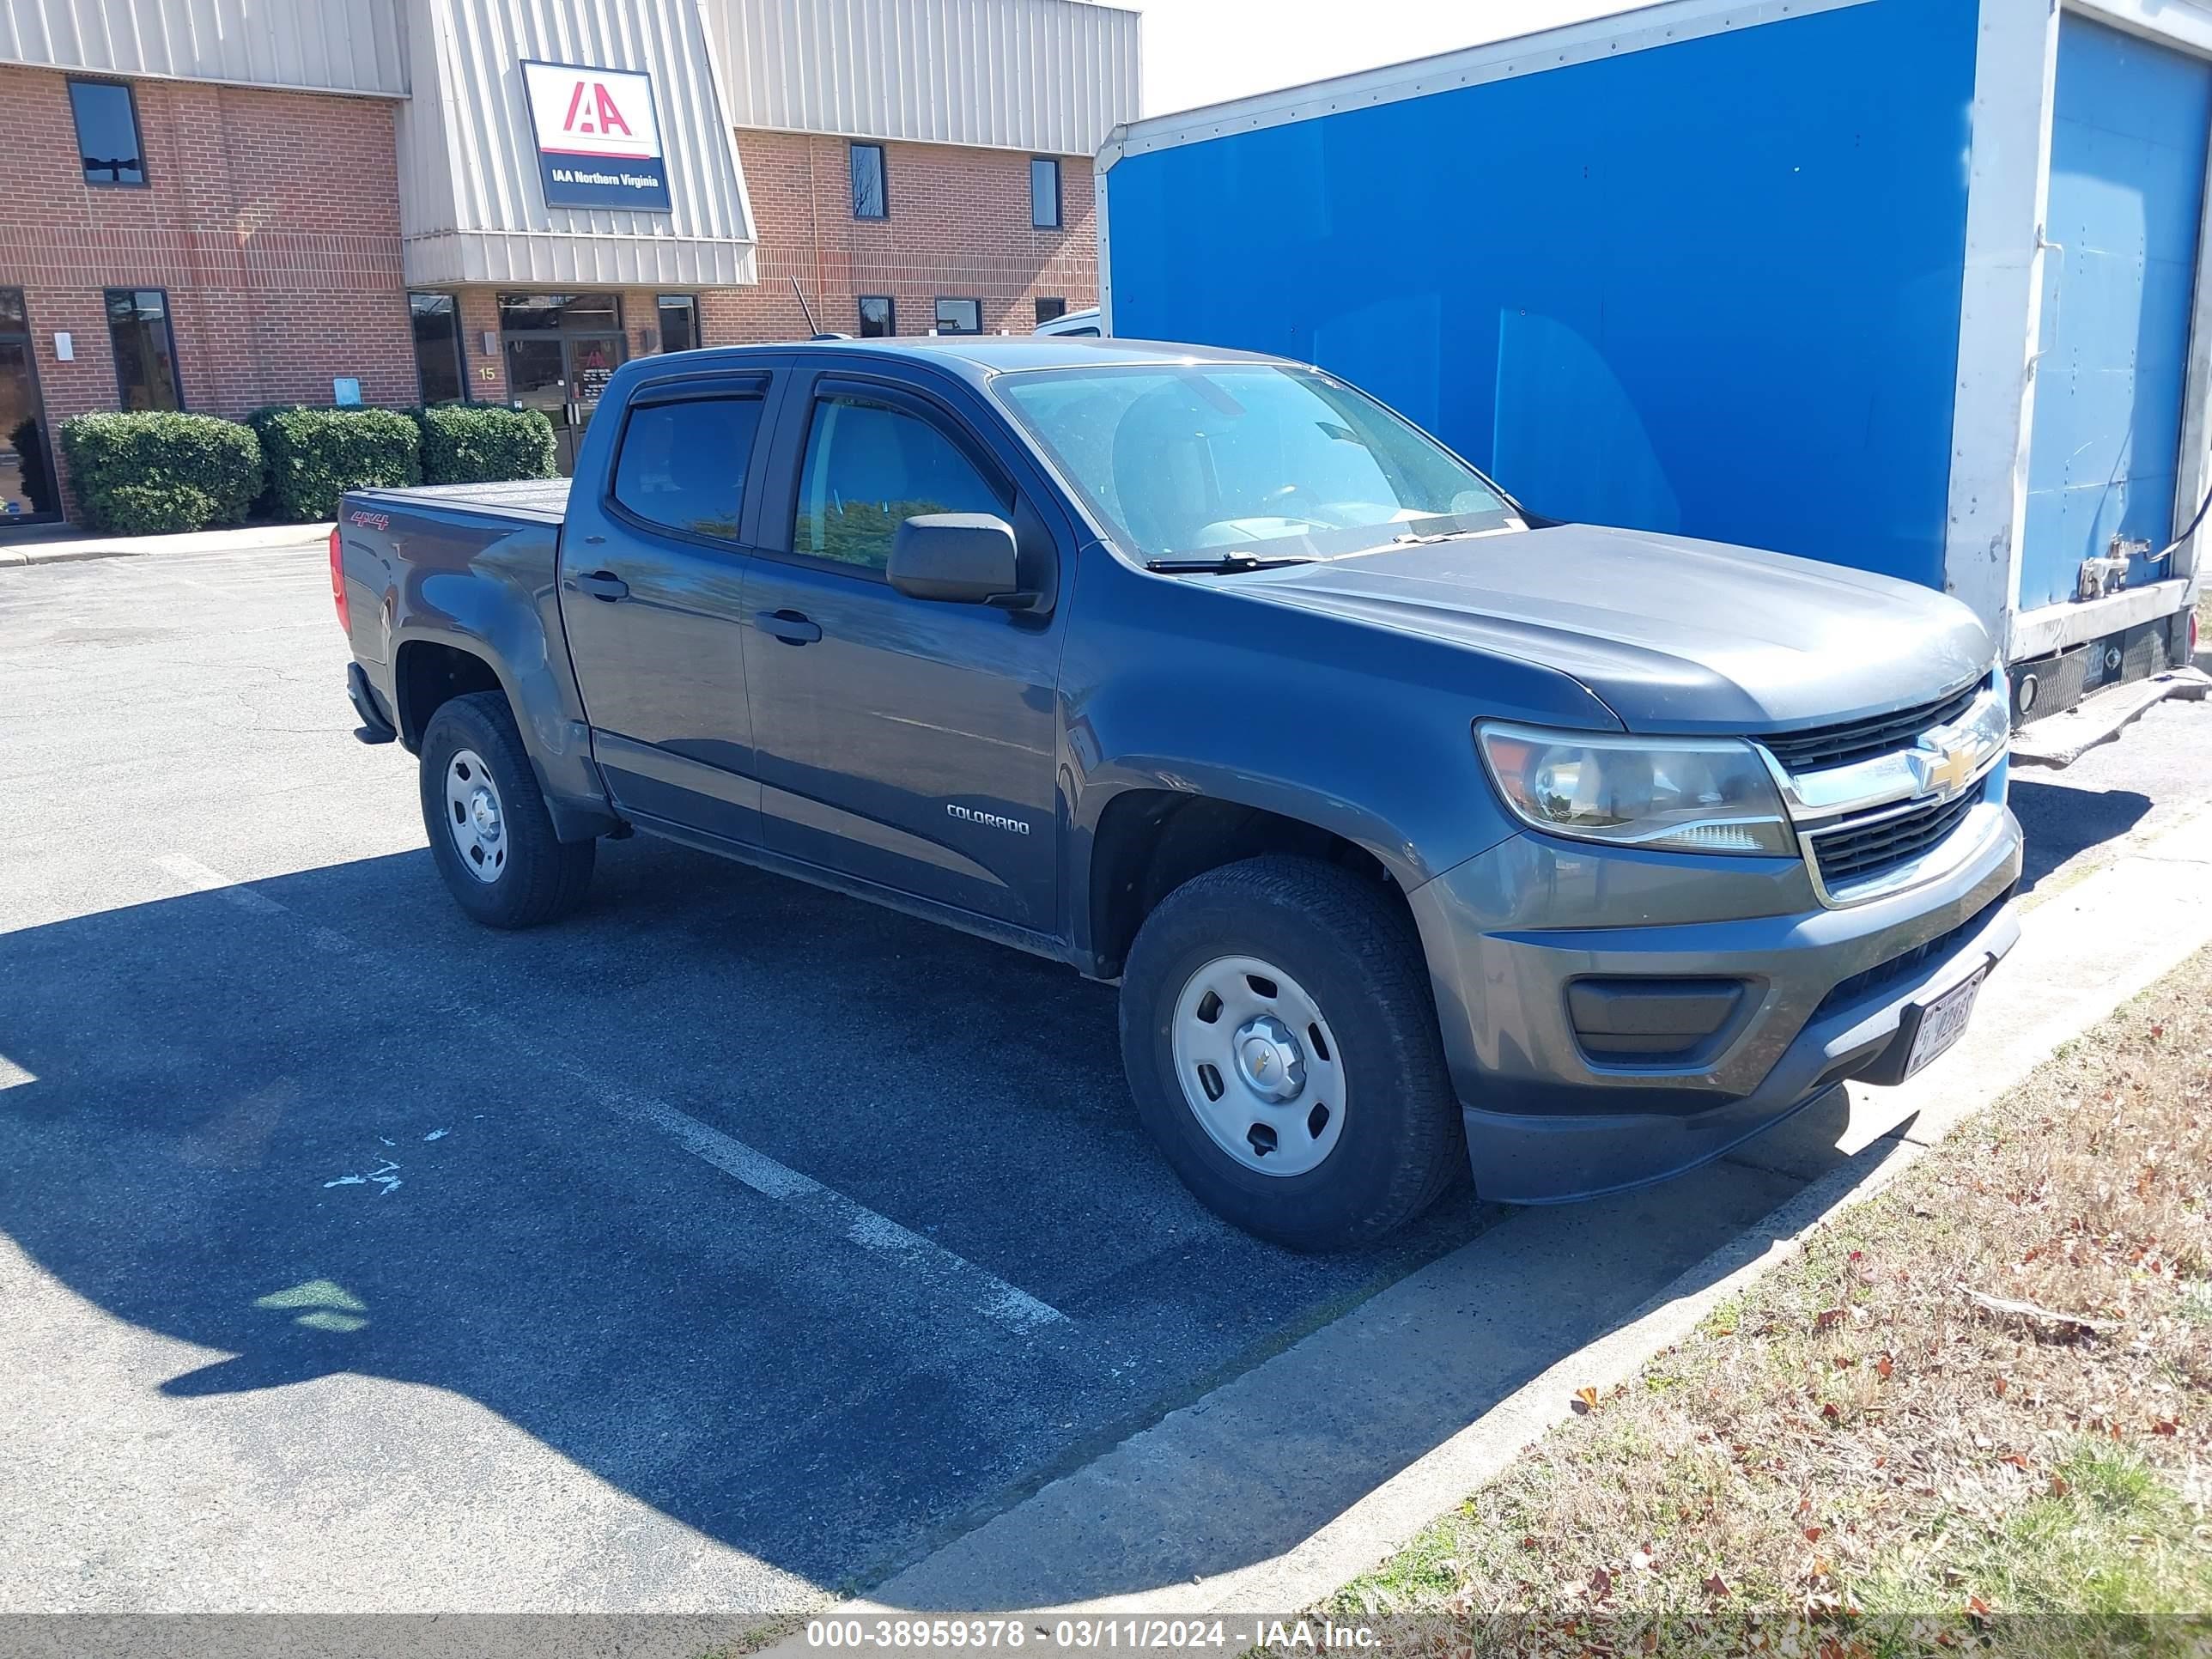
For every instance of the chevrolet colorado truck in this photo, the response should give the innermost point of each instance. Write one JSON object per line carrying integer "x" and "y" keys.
{"x": 1420, "y": 834}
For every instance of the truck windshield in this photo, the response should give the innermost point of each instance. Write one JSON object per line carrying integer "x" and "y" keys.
{"x": 1222, "y": 459}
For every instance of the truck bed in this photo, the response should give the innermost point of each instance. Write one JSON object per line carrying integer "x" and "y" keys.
{"x": 545, "y": 500}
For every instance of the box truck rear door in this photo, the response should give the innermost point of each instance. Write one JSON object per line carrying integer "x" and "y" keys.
{"x": 2127, "y": 187}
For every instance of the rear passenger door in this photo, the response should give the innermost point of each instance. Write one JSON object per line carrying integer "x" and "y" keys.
{"x": 905, "y": 742}
{"x": 651, "y": 600}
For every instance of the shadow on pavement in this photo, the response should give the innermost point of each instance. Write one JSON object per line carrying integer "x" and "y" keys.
{"x": 215, "y": 1089}
{"x": 2061, "y": 821}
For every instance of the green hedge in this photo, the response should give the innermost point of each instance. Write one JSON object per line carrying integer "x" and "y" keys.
{"x": 485, "y": 443}
{"x": 315, "y": 455}
{"x": 147, "y": 472}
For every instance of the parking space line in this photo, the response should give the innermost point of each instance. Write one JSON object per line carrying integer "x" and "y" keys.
{"x": 1003, "y": 1304}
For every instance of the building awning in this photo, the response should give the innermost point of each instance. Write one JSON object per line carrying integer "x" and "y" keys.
{"x": 625, "y": 96}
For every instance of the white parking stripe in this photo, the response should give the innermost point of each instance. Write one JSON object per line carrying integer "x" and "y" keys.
{"x": 997, "y": 1300}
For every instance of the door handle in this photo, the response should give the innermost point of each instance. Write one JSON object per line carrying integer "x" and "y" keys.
{"x": 602, "y": 585}
{"x": 789, "y": 626}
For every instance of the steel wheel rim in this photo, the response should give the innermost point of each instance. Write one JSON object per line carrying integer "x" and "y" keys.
{"x": 476, "y": 817}
{"x": 1259, "y": 1066}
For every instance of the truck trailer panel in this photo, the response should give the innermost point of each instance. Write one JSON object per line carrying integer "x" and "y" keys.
{"x": 1774, "y": 274}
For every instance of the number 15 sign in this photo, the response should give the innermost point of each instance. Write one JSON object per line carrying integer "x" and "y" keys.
{"x": 599, "y": 144}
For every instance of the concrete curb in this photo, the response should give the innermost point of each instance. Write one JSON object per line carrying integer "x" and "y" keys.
{"x": 1231, "y": 1478}
{"x": 251, "y": 539}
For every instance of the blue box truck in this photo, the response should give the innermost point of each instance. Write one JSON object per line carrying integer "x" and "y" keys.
{"x": 1916, "y": 286}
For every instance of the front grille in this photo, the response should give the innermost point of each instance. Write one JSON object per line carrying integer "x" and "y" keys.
{"x": 1854, "y": 854}
{"x": 1857, "y": 740}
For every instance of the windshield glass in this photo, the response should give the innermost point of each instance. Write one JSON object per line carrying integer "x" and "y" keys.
{"x": 1203, "y": 461}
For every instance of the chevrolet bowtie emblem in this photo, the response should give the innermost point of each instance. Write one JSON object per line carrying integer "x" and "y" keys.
{"x": 1949, "y": 768}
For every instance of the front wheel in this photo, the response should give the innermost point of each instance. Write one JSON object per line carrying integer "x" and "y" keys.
{"x": 1281, "y": 1041}
{"x": 486, "y": 818}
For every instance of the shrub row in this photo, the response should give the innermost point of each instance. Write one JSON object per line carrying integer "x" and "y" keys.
{"x": 146, "y": 472}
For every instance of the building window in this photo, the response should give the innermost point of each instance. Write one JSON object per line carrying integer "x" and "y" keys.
{"x": 145, "y": 349}
{"x": 438, "y": 347}
{"x": 1044, "y": 193}
{"x": 1050, "y": 310}
{"x": 870, "y": 196}
{"x": 879, "y": 317}
{"x": 679, "y": 322}
{"x": 107, "y": 133}
{"x": 567, "y": 313}
{"x": 959, "y": 316}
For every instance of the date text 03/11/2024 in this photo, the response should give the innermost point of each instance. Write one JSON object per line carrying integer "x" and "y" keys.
{"x": 1084, "y": 1635}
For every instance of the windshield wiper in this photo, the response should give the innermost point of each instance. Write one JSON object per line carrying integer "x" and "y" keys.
{"x": 1229, "y": 564}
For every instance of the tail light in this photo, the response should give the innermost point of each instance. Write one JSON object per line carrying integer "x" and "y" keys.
{"x": 337, "y": 580}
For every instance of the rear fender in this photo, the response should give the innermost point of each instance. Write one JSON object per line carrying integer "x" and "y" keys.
{"x": 501, "y": 606}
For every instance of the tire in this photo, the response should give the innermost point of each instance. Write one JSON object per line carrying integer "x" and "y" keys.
{"x": 1329, "y": 944}
{"x": 505, "y": 867}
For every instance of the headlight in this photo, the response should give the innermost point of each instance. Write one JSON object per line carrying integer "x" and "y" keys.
{"x": 1681, "y": 794}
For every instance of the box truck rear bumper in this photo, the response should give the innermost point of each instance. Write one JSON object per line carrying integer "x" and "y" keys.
{"x": 1543, "y": 1028}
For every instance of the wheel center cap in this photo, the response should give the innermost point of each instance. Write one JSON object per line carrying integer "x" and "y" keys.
{"x": 484, "y": 811}
{"x": 1269, "y": 1059}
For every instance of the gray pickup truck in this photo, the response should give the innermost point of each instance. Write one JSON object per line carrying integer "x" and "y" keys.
{"x": 1421, "y": 833}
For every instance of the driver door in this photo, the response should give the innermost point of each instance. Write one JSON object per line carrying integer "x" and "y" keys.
{"x": 903, "y": 742}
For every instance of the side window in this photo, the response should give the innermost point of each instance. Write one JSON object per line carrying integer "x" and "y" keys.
{"x": 683, "y": 466}
{"x": 869, "y": 468}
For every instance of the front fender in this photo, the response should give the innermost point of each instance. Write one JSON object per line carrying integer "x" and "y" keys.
{"x": 1362, "y": 732}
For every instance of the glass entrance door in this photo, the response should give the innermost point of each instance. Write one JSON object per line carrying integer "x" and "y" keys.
{"x": 563, "y": 377}
{"x": 561, "y": 349}
{"x": 28, "y": 494}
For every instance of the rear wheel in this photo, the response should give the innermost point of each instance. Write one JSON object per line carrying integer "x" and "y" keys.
{"x": 486, "y": 818}
{"x": 1281, "y": 1041}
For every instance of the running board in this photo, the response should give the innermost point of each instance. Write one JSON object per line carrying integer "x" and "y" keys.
{"x": 2101, "y": 716}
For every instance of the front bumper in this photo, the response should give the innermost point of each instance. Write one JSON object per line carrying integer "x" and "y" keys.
{"x": 1825, "y": 995}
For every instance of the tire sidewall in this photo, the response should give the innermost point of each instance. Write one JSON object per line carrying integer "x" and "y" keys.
{"x": 457, "y": 726}
{"x": 1322, "y": 1207}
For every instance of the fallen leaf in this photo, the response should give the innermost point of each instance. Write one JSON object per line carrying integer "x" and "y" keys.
{"x": 1527, "y": 1543}
{"x": 1717, "y": 1585}
{"x": 1827, "y": 1319}
{"x": 2014, "y": 1459}
{"x": 1585, "y": 1401}
{"x": 2059, "y": 1487}
{"x": 1978, "y": 1608}
{"x": 2002, "y": 1384}
{"x": 1883, "y": 1367}
{"x": 1601, "y": 1585}
{"x": 1813, "y": 1534}
{"x": 1651, "y": 1638}
{"x": 1830, "y": 1412}
{"x": 2165, "y": 1425}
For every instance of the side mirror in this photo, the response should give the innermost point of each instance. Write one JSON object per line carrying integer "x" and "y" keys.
{"x": 963, "y": 558}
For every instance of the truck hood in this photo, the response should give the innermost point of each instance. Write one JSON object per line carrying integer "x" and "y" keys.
{"x": 1673, "y": 635}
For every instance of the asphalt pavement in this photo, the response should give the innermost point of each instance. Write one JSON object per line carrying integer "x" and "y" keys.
{"x": 727, "y": 1245}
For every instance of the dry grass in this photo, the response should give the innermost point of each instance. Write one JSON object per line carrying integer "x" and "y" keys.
{"x": 1856, "y": 1443}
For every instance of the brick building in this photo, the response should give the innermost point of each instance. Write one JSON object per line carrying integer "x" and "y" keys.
{"x": 402, "y": 201}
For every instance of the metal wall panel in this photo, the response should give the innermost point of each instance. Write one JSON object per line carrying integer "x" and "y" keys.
{"x": 472, "y": 208}
{"x": 1053, "y": 76}
{"x": 309, "y": 46}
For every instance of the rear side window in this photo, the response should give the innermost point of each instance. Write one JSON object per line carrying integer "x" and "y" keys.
{"x": 869, "y": 468}
{"x": 683, "y": 466}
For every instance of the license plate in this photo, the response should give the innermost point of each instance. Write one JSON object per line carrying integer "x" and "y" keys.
{"x": 1943, "y": 1022}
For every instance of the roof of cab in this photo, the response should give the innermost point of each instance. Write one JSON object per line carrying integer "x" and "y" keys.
{"x": 980, "y": 356}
